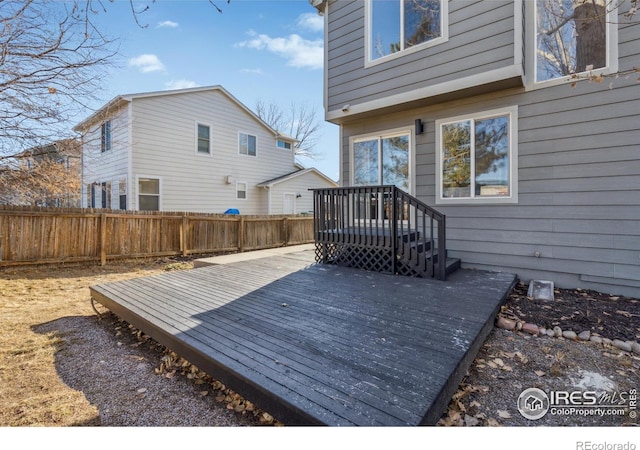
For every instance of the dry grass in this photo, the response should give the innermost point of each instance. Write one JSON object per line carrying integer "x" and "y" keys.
{"x": 31, "y": 391}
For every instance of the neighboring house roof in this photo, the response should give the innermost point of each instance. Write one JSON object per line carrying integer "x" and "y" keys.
{"x": 122, "y": 100}
{"x": 320, "y": 5}
{"x": 63, "y": 147}
{"x": 297, "y": 173}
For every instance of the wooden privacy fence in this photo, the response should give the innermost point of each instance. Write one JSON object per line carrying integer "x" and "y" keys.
{"x": 38, "y": 236}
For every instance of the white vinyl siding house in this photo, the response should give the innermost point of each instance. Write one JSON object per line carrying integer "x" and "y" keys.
{"x": 190, "y": 142}
{"x": 291, "y": 193}
{"x": 562, "y": 199}
{"x": 105, "y": 157}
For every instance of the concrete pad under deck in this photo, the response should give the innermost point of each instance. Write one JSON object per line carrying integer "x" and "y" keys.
{"x": 248, "y": 256}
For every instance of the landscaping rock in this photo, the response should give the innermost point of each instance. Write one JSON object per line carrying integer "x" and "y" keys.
{"x": 635, "y": 348}
{"x": 543, "y": 331}
{"x": 551, "y": 333}
{"x": 622, "y": 345}
{"x": 506, "y": 324}
{"x": 585, "y": 335}
{"x": 596, "y": 339}
{"x": 569, "y": 334}
{"x": 606, "y": 341}
{"x": 531, "y": 329}
{"x": 557, "y": 331}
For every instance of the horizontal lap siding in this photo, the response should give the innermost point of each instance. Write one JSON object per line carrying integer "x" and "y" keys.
{"x": 579, "y": 186}
{"x": 480, "y": 39}
{"x": 109, "y": 166}
{"x": 164, "y": 130}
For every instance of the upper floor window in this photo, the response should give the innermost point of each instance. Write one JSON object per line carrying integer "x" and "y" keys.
{"x": 400, "y": 25}
{"x": 105, "y": 136}
{"x": 477, "y": 158}
{"x": 571, "y": 37}
{"x": 247, "y": 144}
{"x": 284, "y": 144}
{"x": 204, "y": 139}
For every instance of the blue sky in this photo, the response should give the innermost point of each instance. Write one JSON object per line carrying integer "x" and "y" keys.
{"x": 256, "y": 49}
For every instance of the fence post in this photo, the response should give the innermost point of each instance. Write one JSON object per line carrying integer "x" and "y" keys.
{"x": 103, "y": 239}
{"x": 285, "y": 225}
{"x": 184, "y": 231}
{"x": 241, "y": 235}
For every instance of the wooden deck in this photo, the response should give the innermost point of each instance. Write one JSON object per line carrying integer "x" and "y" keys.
{"x": 318, "y": 344}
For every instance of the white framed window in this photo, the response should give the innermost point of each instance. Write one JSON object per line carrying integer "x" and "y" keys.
{"x": 397, "y": 27}
{"x": 382, "y": 159}
{"x": 569, "y": 38}
{"x": 241, "y": 190}
{"x": 247, "y": 144}
{"x": 105, "y": 136}
{"x": 283, "y": 144}
{"x": 477, "y": 158}
{"x": 149, "y": 194}
{"x": 203, "y": 139}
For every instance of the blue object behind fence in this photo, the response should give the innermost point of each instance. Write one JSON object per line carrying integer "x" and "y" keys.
{"x": 232, "y": 211}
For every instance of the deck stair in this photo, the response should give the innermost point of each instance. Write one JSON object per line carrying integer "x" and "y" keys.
{"x": 383, "y": 229}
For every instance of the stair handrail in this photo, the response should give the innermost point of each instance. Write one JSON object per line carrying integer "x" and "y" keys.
{"x": 440, "y": 268}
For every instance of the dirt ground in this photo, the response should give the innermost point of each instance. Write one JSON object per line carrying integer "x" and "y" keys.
{"x": 46, "y": 378}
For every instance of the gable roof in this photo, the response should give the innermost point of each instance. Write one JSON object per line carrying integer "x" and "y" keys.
{"x": 297, "y": 173}
{"x": 121, "y": 100}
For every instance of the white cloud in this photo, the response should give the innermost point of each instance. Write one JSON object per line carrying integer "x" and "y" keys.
{"x": 311, "y": 21}
{"x": 168, "y": 24}
{"x": 181, "y": 84}
{"x": 253, "y": 71}
{"x": 147, "y": 63}
{"x": 297, "y": 51}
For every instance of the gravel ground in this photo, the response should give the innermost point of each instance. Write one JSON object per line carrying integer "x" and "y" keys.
{"x": 117, "y": 375}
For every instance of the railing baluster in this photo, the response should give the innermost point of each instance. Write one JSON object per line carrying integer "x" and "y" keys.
{"x": 357, "y": 217}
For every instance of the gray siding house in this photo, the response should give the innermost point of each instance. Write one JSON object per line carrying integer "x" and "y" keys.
{"x": 507, "y": 117}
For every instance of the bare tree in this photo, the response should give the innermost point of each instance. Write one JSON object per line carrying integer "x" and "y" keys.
{"x": 51, "y": 64}
{"x": 300, "y": 122}
{"x": 43, "y": 176}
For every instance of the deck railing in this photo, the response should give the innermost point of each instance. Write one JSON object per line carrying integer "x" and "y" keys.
{"x": 379, "y": 228}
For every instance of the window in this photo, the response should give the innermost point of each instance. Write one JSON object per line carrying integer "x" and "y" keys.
{"x": 247, "y": 144}
{"x": 204, "y": 139}
{"x": 571, "y": 36}
{"x": 477, "y": 158}
{"x": 105, "y": 136}
{"x": 122, "y": 193}
{"x": 148, "y": 194}
{"x": 284, "y": 144}
{"x": 241, "y": 190}
{"x": 99, "y": 195}
{"x": 382, "y": 159}
{"x": 400, "y": 25}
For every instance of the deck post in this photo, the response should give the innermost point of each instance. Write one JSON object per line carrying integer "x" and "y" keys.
{"x": 442, "y": 250}
{"x": 394, "y": 230}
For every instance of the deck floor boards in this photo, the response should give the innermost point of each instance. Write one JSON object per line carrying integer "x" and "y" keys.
{"x": 320, "y": 344}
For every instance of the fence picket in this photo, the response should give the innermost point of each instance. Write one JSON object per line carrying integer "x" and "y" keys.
{"x": 52, "y": 235}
